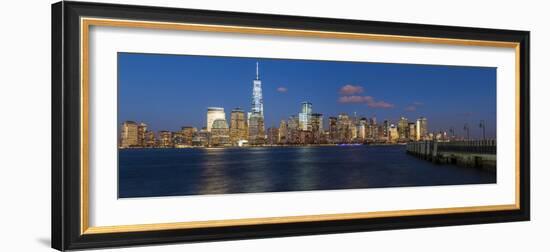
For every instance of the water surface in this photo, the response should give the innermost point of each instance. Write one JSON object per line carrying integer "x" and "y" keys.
{"x": 199, "y": 171}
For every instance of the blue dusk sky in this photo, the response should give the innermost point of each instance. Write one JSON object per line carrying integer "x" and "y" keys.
{"x": 170, "y": 91}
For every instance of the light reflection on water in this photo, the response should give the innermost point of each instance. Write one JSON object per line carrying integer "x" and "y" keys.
{"x": 169, "y": 172}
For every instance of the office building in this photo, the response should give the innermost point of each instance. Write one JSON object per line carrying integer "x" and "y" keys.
{"x": 256, "y": 127}
{"x": 238, "y": 128}
{"x": 305, "y": 116}
{"x": 165, "y": 139}
{"x": 422, "y": 129}
{"x": 129, "y": 134}
{"x": 219, "y": 133}
{"x": 212, "y": 114}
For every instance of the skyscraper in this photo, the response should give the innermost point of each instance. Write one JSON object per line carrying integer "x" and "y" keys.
{"x": 256, "y": 128}
{"x": 305, "y": 116}
{"x": 213, "y": 114}
{"x": 333, "y": 129}
{"x": 421, "y": 128}
{"x": 403, "y": 128}
{"x": 393, "y": 133}
{"x": 257, "y": 99}
{"x": 129, "y": 134}
{"x": 292, "y": 135}
{"x": 345, "y": 129}
{"x": 412, "y": 131}
{"x": 219, "y": 133}
{"x": 237, "y": 127}
{"x": 282, "y": 132}
{"x": 141, "y": 129}
{"x": 362, "y": 129}
{"x": 317, "y": 127}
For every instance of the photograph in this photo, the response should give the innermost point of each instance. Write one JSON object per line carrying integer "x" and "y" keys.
{"x": 202, "y": 125}
{"x": 176, "y": 123}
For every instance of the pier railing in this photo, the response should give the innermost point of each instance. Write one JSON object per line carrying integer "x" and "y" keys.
{"x": 467, "y": 146}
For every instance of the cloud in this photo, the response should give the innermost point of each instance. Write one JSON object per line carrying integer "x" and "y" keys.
{"x": 282, "y": 89}
{"x": 416, "y": 103}
{"x": 355, "y": 99}
{"x": 351, "y": 90}
{"x": 369, "y": 100}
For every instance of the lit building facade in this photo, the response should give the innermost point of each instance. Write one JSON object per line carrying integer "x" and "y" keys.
{"x": 316, "y": 120}
{"x": 141, "y": 129}
{"x": 305, "y": 116}
{"x": 345, "y": 128}
{"x": 403, "y": 128}
{"x": 386, "y": 129}
{"x": 412, "y": 131}
{"x": 187, "y": 133}
{"x": 333, "y": 129}
{"x": 422, "y": 129}
{"x": 201, "y": 138}
{"x": 165, "y": 139}
{"x": 150, "y": 139}
{"x": 129, "y": 134}
{"x": 219, "y": 133}
{"x": 272, "y": 136}
{"x": 293, "y": 130}
{"x": 256, "y": 127}
{"x": 238, "y": 128}
{"x": 212, "y": 114}
{"x": 283, "y": 132}
{"x": 393, "y": 134}
{"x": 362, "y": 129}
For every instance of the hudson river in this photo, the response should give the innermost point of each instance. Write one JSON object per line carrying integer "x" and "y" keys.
{"x": 169, "y": 172}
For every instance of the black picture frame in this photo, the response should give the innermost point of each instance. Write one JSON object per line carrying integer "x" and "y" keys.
{"x": 66, "y": 135}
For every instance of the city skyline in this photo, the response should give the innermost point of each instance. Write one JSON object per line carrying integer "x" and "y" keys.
{"x": 188, "y": 82}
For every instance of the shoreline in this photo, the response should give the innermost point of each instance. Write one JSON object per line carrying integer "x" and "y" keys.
{"x": 269, "y": 146}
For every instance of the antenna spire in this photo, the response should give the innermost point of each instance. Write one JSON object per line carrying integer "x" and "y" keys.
{"x": 257, "y": 71}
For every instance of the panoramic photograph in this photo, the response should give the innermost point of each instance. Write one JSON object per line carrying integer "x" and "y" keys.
{"x": 204, "y": 125}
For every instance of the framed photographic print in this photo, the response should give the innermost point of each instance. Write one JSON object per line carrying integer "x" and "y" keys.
{"x": 179, "y": 125}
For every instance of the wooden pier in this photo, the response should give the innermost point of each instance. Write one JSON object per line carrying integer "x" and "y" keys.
{"x": 469, "y": 153}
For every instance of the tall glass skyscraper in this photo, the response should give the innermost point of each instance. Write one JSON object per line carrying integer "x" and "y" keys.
{"x": 257, "y": 100}
{"x": 305, "y": 116}
{"x": 256, "y": 129}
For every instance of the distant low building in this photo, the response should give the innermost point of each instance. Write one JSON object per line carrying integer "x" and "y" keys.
{"x": 187, "y": 133}
{"x": 150, "y": 139}
{"x": 202, "y": 138}
{"x": 272, "y": 136}
{"x": 333, "y": 129}
{"x": 165, "y": 139}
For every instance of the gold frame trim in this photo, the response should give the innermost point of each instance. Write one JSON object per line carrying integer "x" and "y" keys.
{"x": 85, "y": 24}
